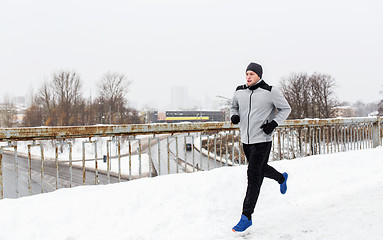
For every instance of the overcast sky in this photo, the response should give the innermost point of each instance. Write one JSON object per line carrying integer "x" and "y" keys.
{"x": 202, "y": 44}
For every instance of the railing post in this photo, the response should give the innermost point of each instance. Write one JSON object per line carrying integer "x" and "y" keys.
{"x": 279, "y": 145}
{"x": 1, "y": 174}
{"x": 376, "y": 133}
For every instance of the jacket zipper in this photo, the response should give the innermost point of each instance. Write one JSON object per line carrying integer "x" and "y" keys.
{"x": 248, "y": 119}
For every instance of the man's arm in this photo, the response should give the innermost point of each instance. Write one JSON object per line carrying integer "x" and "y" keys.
{"x": 234, "y": 110}
{"x": 281, "y": 104}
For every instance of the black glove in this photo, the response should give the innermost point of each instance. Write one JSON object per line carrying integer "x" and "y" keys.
{"x": 235, "y": 119}
{"x": 269, "y": 127}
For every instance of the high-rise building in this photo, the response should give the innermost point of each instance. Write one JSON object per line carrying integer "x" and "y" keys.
{"x": 179, "y": 98}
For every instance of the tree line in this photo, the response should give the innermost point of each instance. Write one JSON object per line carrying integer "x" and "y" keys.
{"x": 310, "y": 96}
{"x": 60, "y": 102}
{"x": 313, "y": 96}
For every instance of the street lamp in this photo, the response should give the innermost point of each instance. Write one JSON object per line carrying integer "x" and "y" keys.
{"x": 226, "y": 105}
{"x": 226, "y": 98}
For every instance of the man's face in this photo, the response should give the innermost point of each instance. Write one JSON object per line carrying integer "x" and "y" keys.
{"x": 251, "y": 78}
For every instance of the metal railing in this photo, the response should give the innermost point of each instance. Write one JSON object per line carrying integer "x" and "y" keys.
{"x": 299, "y": 138}
{"x": 43, "y": 159}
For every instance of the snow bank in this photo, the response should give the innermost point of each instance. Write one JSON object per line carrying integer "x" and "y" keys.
{"x": 336, "y": 196}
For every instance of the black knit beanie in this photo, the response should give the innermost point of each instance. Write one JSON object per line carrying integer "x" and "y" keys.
{"x": 255, "y": 67}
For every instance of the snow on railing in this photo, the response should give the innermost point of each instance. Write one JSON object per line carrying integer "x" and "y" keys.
{"x": 43, "y": 159}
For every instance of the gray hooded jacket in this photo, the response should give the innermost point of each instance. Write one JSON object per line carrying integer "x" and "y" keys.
{"x": 255, "y": 106}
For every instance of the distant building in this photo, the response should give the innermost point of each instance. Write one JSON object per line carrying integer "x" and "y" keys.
{"x": 20, "y": 114}
{"x": 344, "y": 111}
{"x": 195, "y": 116}
{"x": 175, "y": 116}
{"x": 161, "y": 116}
{"x": 151, "y": 117}
{"x": 11, "y": 115}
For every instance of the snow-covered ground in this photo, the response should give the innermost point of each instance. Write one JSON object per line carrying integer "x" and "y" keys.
{"x": 337, "y": 196}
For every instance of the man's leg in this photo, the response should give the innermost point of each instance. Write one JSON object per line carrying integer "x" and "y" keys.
{"x": 270, "y": 172}
{"x": 257, "y": 156}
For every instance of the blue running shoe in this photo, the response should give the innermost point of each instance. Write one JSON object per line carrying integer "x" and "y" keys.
{"x": 284, "y": 184}
{"x": 243, "y": 224}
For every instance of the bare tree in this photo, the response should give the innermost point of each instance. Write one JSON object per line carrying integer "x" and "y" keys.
{"x": 310, "y": 96}
{"x": 7, "y": 113}
{"x": 296, "y": 91}
{"x": 33, "y": 115}
{"x": 45, "y": 103}
{"x": 132, "y": 116}
{"x": 58, "y": 102}
{"x": 112, "y": 90}
{"x": 66, "y": 87}
{"x": 323, "y": 94}
{"x": 45, "y": 95}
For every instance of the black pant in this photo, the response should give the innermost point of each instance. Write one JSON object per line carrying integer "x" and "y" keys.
{"x": 257, "y": 156}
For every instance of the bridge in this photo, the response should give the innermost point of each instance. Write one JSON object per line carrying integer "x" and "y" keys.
{"x": 43, "y": 159}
